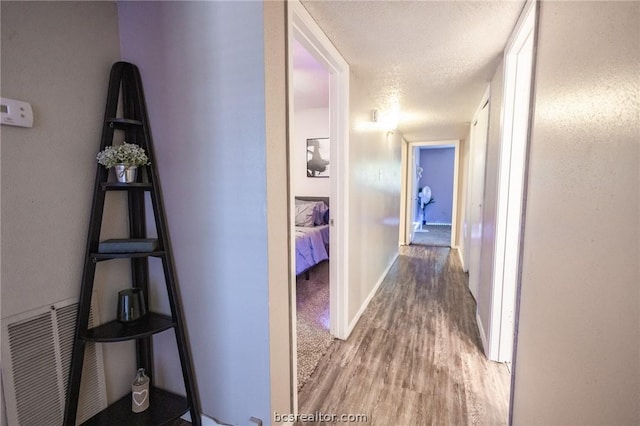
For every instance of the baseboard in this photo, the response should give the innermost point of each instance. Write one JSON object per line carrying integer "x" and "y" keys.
{"x": 206, "y": 421}
{"x": 483, "y": 336}
{"x": 416, "y": 225}
{"x": 461, "y": 259}
{"x": 370, "y": 296}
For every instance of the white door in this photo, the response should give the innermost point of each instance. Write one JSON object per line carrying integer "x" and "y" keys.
{"x": 477, "y": 159}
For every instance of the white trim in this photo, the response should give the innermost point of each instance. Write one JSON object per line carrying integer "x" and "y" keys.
{"x": 430, "y": 224}
{"x": 406, "y": 207}
{"x": 404, "y": 192}
{"x": 501, "y": 331}
{"x": 356, "y": 318}
{"x": 461, "y": 259}
{"x": 483, "y": 335}
{"x": 206, "y": 421}
{"x": 454, "y": 205}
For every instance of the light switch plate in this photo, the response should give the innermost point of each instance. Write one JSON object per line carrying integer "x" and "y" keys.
{"x": 16, "y": 113}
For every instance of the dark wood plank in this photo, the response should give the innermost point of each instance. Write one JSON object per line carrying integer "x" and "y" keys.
{"x": 115, "y": 331}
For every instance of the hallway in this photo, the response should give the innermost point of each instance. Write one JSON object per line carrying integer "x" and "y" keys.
{"x": 415, "y": 357}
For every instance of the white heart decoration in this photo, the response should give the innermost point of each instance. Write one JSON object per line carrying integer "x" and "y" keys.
{"x": 142, "y": 394}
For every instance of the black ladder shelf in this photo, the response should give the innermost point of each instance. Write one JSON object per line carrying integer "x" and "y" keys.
{"x": 165, "y": 406}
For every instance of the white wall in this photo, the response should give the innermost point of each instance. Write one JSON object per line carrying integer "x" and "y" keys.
{"x": 49, "y": 170}
{"x": 374, "y": 204}
{"x": 308, "y": 124}
{"x": 490, "y": 201}
{"x": 203, "y": 66}
{"x": 578, "y": 350}
{"x": 57, "y": 56}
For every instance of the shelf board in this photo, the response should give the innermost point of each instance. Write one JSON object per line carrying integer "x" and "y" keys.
{"x": 119, "y": 186}
{"x": 128, "y": 245}
{"x": 99, "y": 257}
{"x": 163, "y": 407}
{"x": 123, "y": 123}
{"x": 115, "y": 331}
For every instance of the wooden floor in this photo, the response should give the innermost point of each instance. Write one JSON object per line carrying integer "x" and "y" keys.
{"x": 415, "y": 357}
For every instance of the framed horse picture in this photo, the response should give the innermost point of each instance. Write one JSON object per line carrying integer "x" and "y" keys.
{"x": 318, "y": 157}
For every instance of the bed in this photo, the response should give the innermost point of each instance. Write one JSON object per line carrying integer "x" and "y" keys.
{"x": 311, "y": 232}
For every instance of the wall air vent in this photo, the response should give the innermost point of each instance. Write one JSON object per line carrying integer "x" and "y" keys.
{"x": 36, "y": 355}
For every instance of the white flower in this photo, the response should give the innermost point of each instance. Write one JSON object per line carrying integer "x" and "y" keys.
{"x": 128, "y": 154}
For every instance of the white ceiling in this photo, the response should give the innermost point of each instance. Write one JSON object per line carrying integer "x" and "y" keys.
{"x": 428, "y": 60}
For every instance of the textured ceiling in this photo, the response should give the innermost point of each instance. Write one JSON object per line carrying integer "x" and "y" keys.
{"x": 428, "y": 61}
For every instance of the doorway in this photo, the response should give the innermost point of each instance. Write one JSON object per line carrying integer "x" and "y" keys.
{"x": 305, "y": 33}
{"x": 310, "y": 184}
{"x": 433, "y": 210}
{"x": 413, "y": 182}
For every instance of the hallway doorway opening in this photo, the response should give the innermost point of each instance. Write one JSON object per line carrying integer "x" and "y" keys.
{"x": 433, "y": 210}
{"x": 430, "y": 185}
{"x": 318, "y": 158}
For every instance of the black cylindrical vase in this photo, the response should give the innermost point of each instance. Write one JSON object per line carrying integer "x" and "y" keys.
{"x": 131, "y": 306}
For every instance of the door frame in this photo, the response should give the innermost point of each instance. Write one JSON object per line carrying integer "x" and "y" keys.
{"x": 302, "y": 27}
{"x": 511, "y": 185}
{"x": 408, "y": 187}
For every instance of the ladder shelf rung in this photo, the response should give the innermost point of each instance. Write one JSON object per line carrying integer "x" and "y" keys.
{"x": 119, "y": 186}
{"x": 128, "y": 245}
{"x": 164, "y": 406}
{"x": 123, "y": 123}
{"x": 115, "y": 331}
{"x": 99, "y": 257}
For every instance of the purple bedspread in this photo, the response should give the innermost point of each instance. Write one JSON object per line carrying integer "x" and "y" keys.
{"x": 311, "y": 246}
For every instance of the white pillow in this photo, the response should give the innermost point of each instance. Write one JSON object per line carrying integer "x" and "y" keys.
{"x": 305, "y": 215}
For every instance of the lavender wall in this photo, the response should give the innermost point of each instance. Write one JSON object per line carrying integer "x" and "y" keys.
{"x": 437, "y": 165}
{"x": 210, "y": 136}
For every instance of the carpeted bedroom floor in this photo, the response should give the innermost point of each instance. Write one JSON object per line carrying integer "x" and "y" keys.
{"x": 312, "y": 303}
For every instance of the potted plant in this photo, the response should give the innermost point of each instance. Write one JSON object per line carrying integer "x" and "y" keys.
{"x": 125, "y": 158}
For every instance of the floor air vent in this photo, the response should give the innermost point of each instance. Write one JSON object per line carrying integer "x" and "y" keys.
{"x": 36, "y": 354}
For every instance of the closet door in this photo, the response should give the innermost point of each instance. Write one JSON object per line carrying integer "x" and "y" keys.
{"x": 475, "y": 195}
